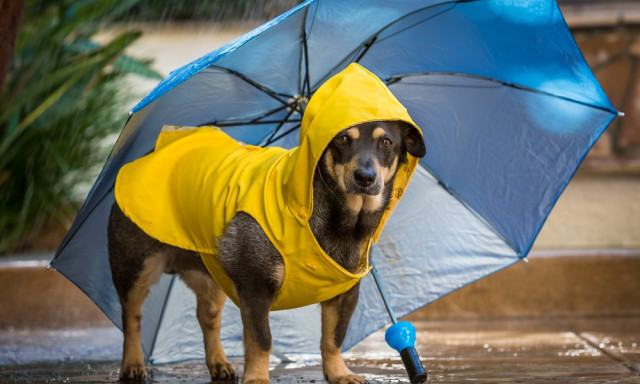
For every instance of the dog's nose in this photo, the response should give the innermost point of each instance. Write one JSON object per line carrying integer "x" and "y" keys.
{"x": 364, "y": 176}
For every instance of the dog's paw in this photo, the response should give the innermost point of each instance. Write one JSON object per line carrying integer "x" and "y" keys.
{"x": 133, "y": 372}
{"x": 348, "y": 379}
{"x": 222, "y": 371}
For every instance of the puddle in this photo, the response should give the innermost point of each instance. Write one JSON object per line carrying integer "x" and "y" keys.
{"x": 43, "y": 345}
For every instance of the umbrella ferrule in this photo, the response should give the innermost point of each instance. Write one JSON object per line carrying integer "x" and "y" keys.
{"x": 297, "y": 103}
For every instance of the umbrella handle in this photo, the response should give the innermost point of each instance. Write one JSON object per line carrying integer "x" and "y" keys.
{"x": 413, "y": 365}
{"x": 401, "y": 336}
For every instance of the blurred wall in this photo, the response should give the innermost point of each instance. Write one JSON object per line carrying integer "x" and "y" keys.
{"x": 601, "y": 206}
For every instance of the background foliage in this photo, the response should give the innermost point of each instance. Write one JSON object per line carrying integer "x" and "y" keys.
{"x": 61, "y": 98}
{"x": 63, "y": 95}
{"x": 209, "y": 10}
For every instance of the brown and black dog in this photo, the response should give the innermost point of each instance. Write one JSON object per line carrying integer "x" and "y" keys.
{"x": 351, "y": 188}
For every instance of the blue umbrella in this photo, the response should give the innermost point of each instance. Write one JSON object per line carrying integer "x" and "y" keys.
{"x": 507, "y": 104}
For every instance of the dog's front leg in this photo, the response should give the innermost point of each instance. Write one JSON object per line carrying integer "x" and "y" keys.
{"x": 336, "y": 314}
{"x": 210, "y": 299}
{"x": 257, "y": 340}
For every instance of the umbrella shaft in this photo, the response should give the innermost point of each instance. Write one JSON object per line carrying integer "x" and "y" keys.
{"x": 385, "y": 299}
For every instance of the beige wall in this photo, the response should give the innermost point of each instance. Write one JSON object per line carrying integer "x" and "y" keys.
{"x": 172, "y": 45}
{"x": 596, "y": 211}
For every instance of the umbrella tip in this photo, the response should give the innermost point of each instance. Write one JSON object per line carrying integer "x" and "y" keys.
{"x": 281, "y": 356}
{"x": 620, "y": 114}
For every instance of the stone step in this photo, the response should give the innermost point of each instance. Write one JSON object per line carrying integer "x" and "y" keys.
{"x": 551, "y": 284}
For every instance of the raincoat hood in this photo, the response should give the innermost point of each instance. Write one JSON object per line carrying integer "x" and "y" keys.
{"x": 196, "y": 180}
{"x": 351, "y": 97}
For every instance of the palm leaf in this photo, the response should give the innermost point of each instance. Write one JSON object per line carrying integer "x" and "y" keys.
{"x": 60, "y": 99}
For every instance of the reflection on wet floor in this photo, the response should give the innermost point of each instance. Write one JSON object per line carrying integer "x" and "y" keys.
{"x": 24, "y": 346}
{"x": 577, "y": 350}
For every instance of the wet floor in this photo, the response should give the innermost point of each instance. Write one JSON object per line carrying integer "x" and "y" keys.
{"x": 495, "y": 351}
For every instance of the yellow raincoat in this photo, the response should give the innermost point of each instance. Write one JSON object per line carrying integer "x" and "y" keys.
{"x": 196, "y": 180}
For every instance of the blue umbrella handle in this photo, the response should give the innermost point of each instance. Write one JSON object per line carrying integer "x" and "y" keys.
{"x": 401, "y": 336}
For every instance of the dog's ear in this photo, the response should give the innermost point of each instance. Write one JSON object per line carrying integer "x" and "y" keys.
{"x": 413, "y": 141}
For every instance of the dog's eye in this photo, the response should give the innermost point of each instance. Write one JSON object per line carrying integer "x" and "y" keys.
{"x": 342, "y": 140}
{"x": 385, "y": 143}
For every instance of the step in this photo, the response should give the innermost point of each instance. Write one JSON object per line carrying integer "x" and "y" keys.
{"x": 551, "y": 284}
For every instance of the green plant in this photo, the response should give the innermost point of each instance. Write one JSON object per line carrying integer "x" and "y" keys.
{"x": 210, "y": 10}
{"x": 63, "y": 95}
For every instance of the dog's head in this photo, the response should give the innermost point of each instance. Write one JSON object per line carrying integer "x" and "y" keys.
{"x": 362, "y": 159}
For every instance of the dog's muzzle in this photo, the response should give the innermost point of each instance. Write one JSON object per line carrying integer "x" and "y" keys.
{"x": 365, "y": 177}
{"x": 366, "y": 181}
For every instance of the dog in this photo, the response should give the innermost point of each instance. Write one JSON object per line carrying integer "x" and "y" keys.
{"x": 269, "y": 228}
{"x": 352, "y": 185}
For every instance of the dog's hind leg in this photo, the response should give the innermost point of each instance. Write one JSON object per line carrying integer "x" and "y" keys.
{"x": 256, "y": 338}
{"x": 336, "y": 314}
{"x": 136, "y": 261}
{"x": 210, "y": 299}
{"x": 132, "y": 357}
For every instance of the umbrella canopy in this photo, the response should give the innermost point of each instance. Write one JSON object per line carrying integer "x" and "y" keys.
{"x": 507, "y": 104}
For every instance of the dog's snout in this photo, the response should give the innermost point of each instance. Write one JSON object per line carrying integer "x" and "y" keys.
{"x": 364, "y": 176}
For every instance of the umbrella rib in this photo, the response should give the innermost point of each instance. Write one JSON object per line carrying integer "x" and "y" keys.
{"x": 303, "y": 40}
{"x": 240, "y": 123}
{"x": 300, "y": 69}
{"x": 313, "y": 19}
{"x": 367, "y": 45}
{"x": 456, "y": 196}
{"x": 164, "y": 307}
{"x": 276, "y": 110}
{"x": 307, "y": 81}
{"x": 396, "y": 78}
{"x": 283, "y": 134}
{"x": 305, "y": 87}
{"x": 270, "y": 92}
{"x": 375, "y": 35}
{"x": 252, "y": 121}
{"x": 270, "y": 138}
{"x": 451, "y": 6}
